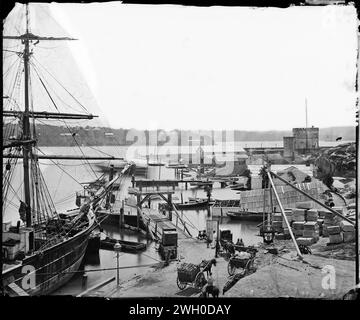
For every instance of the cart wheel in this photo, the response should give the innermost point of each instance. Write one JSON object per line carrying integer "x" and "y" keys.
{"x": 250, "y": 265}
{"x": 231, "y": 268}
{"x": 200, "y": 280}
{"x": 181, "y": 285}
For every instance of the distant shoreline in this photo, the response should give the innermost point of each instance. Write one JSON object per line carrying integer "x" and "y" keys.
{"x": 50, "y": 135}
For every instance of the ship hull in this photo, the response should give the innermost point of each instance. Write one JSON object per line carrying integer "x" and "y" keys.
{"x": 192, "y": 205}
{"x": 245, "y": 216}
{"x": 50, "y": 269}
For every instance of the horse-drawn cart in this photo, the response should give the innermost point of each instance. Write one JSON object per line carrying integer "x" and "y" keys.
{"x": 191, "y": 274}
{"x": 243, "y": 260}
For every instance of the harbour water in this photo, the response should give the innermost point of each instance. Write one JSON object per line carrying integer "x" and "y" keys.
{"x": 63, "y": 184}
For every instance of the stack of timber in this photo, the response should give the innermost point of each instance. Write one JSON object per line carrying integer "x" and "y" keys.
{"x": 253, "y": 200}
{"x": 312, "y": 215}
{"x": 311, "y": 230}
{"x": 277, "y": 222}
{"x": 329, "y": 221}
{"x": 335, "y": 234}
{"x": 298, "y": 228}
{"x": 348, "y": 231}
{"x": 280, "y": 226}
{"x": 299, "y": 215}
{"x": 308, "y": 219}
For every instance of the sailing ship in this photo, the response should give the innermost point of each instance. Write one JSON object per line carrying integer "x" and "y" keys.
{"x": 46, "y": 247}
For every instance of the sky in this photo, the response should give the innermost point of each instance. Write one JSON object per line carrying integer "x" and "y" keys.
{"x": 169, "y": 66}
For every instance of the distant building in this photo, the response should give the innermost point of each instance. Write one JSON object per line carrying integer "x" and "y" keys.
{"x": 306, "y": 140}
{"x": 289, "y": 147}
{"x": 303, "y": 141}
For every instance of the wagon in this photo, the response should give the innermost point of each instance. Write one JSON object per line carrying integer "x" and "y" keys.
{"x": 190, "y": 274}
{"x": 245, "y": 260}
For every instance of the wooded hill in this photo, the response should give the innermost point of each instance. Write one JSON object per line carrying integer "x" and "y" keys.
{"x": 49, "y": 135}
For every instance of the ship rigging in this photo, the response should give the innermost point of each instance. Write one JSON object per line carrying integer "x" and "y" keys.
{"x": 49, "y": 244}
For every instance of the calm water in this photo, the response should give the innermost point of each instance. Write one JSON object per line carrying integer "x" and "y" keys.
{"x": 62, "y": 186}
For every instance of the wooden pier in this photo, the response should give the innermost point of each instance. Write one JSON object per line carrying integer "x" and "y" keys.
{"x": 157, "y": 184}
{"x": 157, "y": 223}
{"x": 152, "y": 219}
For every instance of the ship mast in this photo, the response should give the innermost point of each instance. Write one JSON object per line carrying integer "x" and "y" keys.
{"x": 306, "y": 128}
{"x": 26, "y": 126}
{"x": 26, "y": 136}
{"x": 27, "y": 141}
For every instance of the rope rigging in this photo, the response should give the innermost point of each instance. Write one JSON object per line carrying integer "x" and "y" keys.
{"x": 82, "y": 106}
{"x": 72, "y": 135}
{"x": 59, "y": 166}
{"x": 70, "y": 131}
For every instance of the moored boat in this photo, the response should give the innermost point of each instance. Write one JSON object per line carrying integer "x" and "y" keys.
{"x": 126, "y": 246}
{"x": 198, "y": 204}
{"x": 245, "y": 215}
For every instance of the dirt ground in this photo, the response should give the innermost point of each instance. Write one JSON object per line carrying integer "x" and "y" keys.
{"x": 277, "y": 275}
{"x": 284, "y": 275}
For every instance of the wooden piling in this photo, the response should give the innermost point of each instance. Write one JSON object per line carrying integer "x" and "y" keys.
{"x": 84, "y": 281}
{"x": 170, "y": 206}
{"x": 138, "y": 212}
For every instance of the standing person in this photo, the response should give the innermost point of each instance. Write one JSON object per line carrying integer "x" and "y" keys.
{"x": 208, "y": 242}
{"x": 217, "y": 248}
{"x": 210, "y": 284}
{"x": 214, "y": 237}
{"x": 133, "y": 181}
{"x": 209, "y": 239}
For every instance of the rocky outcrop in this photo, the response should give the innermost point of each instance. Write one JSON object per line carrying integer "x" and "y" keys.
{"x": 339, "y": 161}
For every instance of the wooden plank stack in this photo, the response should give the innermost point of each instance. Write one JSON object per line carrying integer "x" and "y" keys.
{"x": 298, "y": 215}
{"x": 311, "y": 215}
{"x": 304, "y": 205}
{"x": 277, "y": 222}
{"x": 298, "y": 228}
{"x": 329, "y": 221}
{"x": 280, "y": 226}
{"x": 311, "y": 230}
{"x": 304, "y": 241}
{"x": 348, "y": 231}
{"x": 286, "y": 233}
{"x": 335, "y": 234}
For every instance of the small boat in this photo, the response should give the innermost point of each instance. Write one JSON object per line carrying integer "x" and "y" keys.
{"x": 192, "y": 199}
{"x": 238, "y": 187}
{"x": 192, "y": 204}
{"x": 156, "y": 164}
{"x": 126, "y": 246}
{"x": 245, "y": 215}
{"x": 200, "y": 184}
